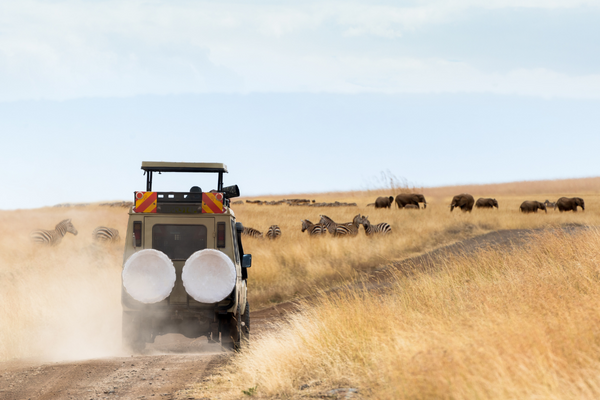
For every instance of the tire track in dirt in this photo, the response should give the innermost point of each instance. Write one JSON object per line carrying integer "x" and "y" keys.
{"x": 168, "y": 376}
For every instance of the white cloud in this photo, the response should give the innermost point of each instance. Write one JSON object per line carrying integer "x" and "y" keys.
{"x": 68, "y": 49}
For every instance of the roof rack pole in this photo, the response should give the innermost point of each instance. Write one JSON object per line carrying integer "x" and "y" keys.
{"x": 220, "y": 185}
{"x": 149, "y": 181}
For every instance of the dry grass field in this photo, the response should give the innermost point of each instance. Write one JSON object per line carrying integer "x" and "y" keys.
{"x": 288, "y": 267}
{"x": 492, "y": 325}
{"x": 64, "y": 302}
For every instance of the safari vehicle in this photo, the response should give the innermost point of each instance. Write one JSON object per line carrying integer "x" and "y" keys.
{"x": 184, "y": 267}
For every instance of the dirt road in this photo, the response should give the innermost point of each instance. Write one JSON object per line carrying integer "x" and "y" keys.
{"x": 173, "y": 364}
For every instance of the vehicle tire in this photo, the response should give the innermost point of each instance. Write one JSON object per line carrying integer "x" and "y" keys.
{"x": 231, "y": 331}
{"x": 246, "y": 327}
{"x": 131, "y": 333}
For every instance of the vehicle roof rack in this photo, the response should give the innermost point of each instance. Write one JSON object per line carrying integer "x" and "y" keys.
{"x": 161, "y": 166}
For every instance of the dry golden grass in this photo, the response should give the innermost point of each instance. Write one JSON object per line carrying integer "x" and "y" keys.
{"x": 286, "y": 268}
{"x": 494, "y": 325}
{"x": 64, "y": 301}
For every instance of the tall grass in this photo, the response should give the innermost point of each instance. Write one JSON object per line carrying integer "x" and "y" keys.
{"x": 520, "y": 324}
{"x": 64, "y": 301}
{"x": 285, "y": 268}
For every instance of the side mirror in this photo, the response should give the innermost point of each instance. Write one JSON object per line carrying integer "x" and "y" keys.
{"x": 239, "y": 227}
{"x": 231, "y": 191}
{"x": 246, "y": 260}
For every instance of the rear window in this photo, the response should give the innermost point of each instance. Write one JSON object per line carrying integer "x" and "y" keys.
{"x": 179, "y": 241}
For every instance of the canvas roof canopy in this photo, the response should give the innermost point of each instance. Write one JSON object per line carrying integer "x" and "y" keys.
{"x": 162, "y": 166}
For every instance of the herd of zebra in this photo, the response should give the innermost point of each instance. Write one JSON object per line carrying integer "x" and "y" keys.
{"x": 101, "y": 234}
{"x": 326, "y": 225}
{"x": 273, "y": 232}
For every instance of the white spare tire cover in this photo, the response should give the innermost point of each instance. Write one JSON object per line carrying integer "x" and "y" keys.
{"x": 149, "y": 276}
{"x": 208, "y": 276}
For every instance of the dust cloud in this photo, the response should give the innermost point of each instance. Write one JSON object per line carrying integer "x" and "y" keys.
{"x": 63, "y": 302}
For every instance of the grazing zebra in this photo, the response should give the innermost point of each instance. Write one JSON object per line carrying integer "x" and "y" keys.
{"x": 550, "y": 204}
{"x": 347, "y": 228}
{"x": 380, "y": 229}
{"x": 313, "y": 229}
{"x": 54, "y": 237}
{"x": 274, "y": 232}
{"x": 106, "y": 235}
{"x": 252, "y": 232}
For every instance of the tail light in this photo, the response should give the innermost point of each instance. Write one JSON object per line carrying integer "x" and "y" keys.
{"x": 220, "y": 234}
{"x": 137, "y": 233}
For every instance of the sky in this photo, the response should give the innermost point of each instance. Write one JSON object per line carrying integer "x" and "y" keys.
{"x": 293, "y": 96}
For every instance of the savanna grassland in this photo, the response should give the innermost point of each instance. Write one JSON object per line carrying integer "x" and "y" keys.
{"x": 491, "y": 325}
{"x": 514, "y": 325}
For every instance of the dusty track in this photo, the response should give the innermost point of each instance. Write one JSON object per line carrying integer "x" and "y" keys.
{"x": 165, "y": 375}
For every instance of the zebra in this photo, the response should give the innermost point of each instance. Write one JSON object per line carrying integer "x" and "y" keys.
{"x": 381, "y": 229}
{"x": 54, "y": 237}
{"x": 347, "y": 228}
{"x": 106, "y": 235}
{"x": 252, "y": 232}
{"x": 550, "y": 204}
{"x": 274, "y": 232}
{"x": 313, "y": 229}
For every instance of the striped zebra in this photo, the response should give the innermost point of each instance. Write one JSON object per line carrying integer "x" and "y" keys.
{"x": 274, "y": 232}
{"x": 252, "y": 232}
{"x": 379, "y": 229}
{"x": 54, "y": 237}
{"x": 106, "y": 235}
{"x": 345, "y": 229}
{"x": 313, "y": 229}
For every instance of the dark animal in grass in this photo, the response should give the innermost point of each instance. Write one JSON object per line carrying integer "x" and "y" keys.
{"x": 550, "y": 204}
{"x": 464, "y": 201}
{"x": 384, "y": 202}
{"x": 410, "y": 198}
{"x": 486, "y": 203}
{"x": 411, "y": 207}
{"x": 532, "y": 206}
{"x": 570, "y": 204}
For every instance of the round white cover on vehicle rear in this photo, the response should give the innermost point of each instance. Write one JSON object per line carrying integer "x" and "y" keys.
{"x": 208, "y": 276}
{"x": 149, "y": 276}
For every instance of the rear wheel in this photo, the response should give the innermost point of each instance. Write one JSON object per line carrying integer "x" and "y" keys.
{"x": 131, "y": 329}
{"x": 231, "y": 331}
{"x": 246, "y": 328}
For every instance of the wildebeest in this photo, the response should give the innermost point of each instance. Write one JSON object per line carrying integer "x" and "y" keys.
{"x": 532, "y": 206}
{"x": 384, "y": 202}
